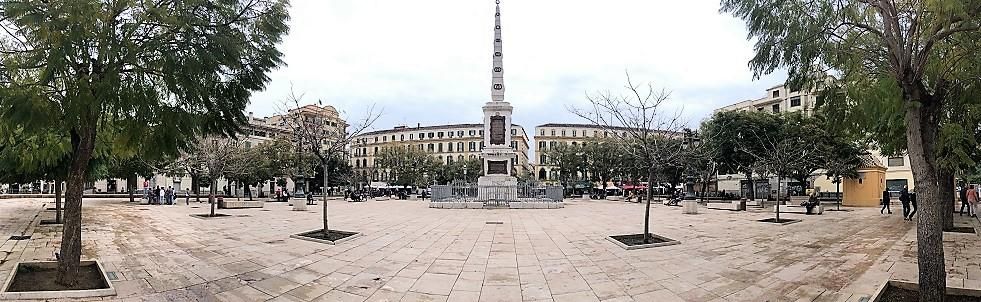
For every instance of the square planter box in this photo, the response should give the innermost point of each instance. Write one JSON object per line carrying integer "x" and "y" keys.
{"x": 100, "y": 288}
{"x": 783, "y": 221}
{"x": 658, "y": 241}
{"x": 305, "y": 236}
{"x": 902, "y": 291}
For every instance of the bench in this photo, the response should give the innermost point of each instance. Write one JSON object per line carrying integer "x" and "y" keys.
{"x": 731, "y": 206}
{"x": 243, "y": 204}
{"x": 614, "y": 198}
{"x": 754, "y": 203}
{"x": 800, "y": 210}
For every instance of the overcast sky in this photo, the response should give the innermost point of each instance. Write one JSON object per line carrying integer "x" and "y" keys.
{"x": 429, "y": 61}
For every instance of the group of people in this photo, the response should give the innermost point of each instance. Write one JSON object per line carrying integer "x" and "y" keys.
{"x": 165, "y": 196}
{"x": 908, "y": 200}
{"x": 969, "y": 200}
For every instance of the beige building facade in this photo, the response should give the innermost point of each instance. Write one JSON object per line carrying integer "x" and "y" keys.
{"x": 448, "y": 143}
{"x": 781, "y": 98}
{"x": 551, "y": 134}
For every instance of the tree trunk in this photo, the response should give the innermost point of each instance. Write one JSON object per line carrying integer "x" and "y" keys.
{"x": 58, "y": 193}
{"x": 776, "y": 207}
{"x": 326, "y": 227}
{"x": 838, "y": 190}
{"x": 83, "y": 145}
{"x": 211, "y": 197}
{"x": 131, "y": 186}
{"x": 946, "y": 181}
{"x": 921, "y": 134}
{"x": 752, "y": 186}
{"x": 647, "y": 208}
{"x": 196, "y": 188}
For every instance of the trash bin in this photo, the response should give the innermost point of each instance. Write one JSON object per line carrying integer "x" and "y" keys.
{"x": 221, "y": 202}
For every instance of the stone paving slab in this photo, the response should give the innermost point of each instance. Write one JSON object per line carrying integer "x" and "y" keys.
{"x": 409, "y": 252}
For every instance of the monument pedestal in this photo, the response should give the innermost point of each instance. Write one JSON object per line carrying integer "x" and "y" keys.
{"x": 497, "y": 187}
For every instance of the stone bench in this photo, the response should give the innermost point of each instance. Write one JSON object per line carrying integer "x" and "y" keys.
{"x": 731, "y": 206}
{"x": 800, "y": 210}
{"x": 754, "y": 203}
{"x": 242, "y": 204}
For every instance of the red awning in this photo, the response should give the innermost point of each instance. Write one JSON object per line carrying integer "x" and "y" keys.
{"x": 633, "y": 187}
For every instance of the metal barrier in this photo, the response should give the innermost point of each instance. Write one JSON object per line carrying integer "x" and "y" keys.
{"x": 496, "y": 195}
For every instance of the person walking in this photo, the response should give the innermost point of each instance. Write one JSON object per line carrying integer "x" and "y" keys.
{"x": 972, "y": 200}
{"x": 912, "y": 202}
{"x": 885, "y": 202}
{"x": 160, "y": 195}
{"x": 964, "y": 203}
{"x": 904, "y": 199}
{"x": 187, "y": 197}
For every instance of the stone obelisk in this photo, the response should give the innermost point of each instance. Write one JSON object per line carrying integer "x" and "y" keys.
{"x": 497, "y": 183}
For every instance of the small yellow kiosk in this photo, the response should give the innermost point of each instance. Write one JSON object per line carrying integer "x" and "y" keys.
{"x": 866, "y": 190}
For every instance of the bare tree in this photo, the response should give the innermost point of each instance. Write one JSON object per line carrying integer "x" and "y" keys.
{"x": 315, "y": 133}
{"x": 639, "y": 122}
{"x": 213, "y": 158}
{"x": 783, "y": 153}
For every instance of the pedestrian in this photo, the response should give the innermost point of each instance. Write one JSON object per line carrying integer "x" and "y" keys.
{"x": 972, "y": 199}
{"x": 169, "y": 195}
{"x": 912, "y": 203}
{"x": 904, "y": 198}
{"x": 160, "y": 195}
{"x": 964, "y": 203}
{"x": 187, "y": 197}
{"x": 885, "y": 202}
{"x": 156, "y": 195}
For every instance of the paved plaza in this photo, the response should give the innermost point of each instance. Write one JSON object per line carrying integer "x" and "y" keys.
{"x": 410, "y": 252}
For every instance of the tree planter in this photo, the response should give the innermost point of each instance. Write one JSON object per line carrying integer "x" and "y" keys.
{"x": 35, "y": 280}
{"x": 901, "y": 291}
{"x": 209, "y": 216}
{"x": 782, "y": 221}
{"x": 635, "y": 241}
{"x": 333, "y": 236}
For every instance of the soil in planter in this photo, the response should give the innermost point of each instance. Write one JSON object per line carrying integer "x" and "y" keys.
{"x": 49, "y": 222}
{"x": 212, "y": 216}
{"x": 637, "y": 239}
{"x": 962, "y": 229}
{"x": 29, "y": 279}
{"x": 897, "y": 294}
{"x": 774, "y": 220}
{"x": 331, "y": 235}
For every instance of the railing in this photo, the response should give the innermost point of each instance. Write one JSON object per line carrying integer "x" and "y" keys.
{"x": 501, "y": 195}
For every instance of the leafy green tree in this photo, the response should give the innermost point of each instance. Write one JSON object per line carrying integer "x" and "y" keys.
{"x": 136, "y": 69}
{"x": 785, "y": 152}
{"x": 568, "y": 160}
{"x": 923, "y": 49}
{"x": 725, "y": 134}
{"x": 406, "y": 165}
{"x": 603, "y": 160}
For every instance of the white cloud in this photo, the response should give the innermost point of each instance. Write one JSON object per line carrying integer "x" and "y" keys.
{"x": 428, "y": 61}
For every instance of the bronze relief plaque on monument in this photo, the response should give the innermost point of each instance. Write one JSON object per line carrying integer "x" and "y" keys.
{"x": 495, "y": 167}
{"x": 497, "y": 130}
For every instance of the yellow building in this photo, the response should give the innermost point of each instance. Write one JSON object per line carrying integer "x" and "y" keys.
{"x": 866, "y": 190}
{"x": 448, "y": 143}
{"x": 552, "y": 134}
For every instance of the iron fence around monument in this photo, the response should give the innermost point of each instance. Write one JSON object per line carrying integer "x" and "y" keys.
{"x": 468, "y": 192}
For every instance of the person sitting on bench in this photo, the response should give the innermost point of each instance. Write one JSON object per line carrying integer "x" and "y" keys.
{"x": 811, "y": 202}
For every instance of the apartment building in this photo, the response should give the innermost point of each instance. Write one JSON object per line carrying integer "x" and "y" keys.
{"x": 448, "y": 143}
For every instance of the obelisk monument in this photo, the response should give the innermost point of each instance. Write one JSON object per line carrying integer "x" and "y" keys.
{"x": 497, "y": 183}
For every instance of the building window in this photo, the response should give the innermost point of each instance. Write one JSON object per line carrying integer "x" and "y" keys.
{"x": 795, "y": 101}
{"x": 776, "y": 108}
{"x": 896, "y": 161}
{"x": 410, "y": 136}
{"x": 553, "y": 132}
{"x": 430, "y": 135}
{"x": 541, "y": 146}
{"x": 376, "y": 150}
{"x": 459, "y": 157}
{"x": 376, "y": 139}
{"x": 440, "y": 147}
{"x": 439, "y": 134}
{"x": 541, "y": 159}
{"x": 449, "y": 133}
{"x": 573, "y": 133}
{"x": 459, "y": 133}
{"x": 481, "y": 145}
{"x": 472, "y": 145}
{"x": 459, "y": 146}
{"x": 384, "y": 138}
{"x": 776, "y": 93}
{"x": 514, "y": 132}
{"x": 422, "y": 147}
{"x": 449, "y": 146}
{"x": 543, "y": 132}
{"x": 481, "y": 132}
{"x": 563, "y": 132}
{"x": 449, "y": 159}
{"x": 472, "y": 132}
{"x": 422, "y": 135}
{"x": 431, "y": 147}
{"x": 402, "y": 137}
{"x": 514, "y": 145}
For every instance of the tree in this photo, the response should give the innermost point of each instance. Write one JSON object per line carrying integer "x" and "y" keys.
{"x": 214, "y": 158}
{"x": 568, "y": 159}
{"x": 784, "y": 152}
{"x": 156, "y": 69}
{"x": 923, "y": 49}
{"x": 406, "y": 165}
{"x": 640, "y": 124}
{"x": 841, "y": 160}
{"x": 315, "y": 133}
{"x": 603, "y": 161}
